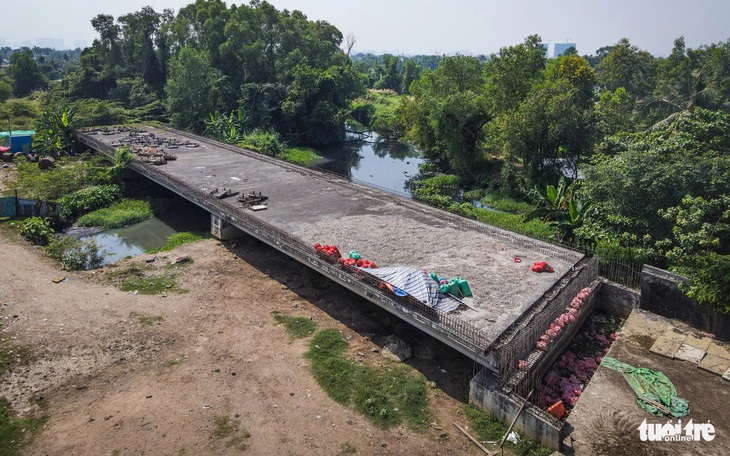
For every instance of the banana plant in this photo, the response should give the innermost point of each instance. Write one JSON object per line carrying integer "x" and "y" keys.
{"x": 55, "y": 132}
{"x": 562, "y": 208}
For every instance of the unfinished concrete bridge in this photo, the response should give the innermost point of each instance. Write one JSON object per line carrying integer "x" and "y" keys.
{"x": 511, "y": 306}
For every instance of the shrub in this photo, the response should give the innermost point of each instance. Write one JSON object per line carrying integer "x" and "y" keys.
{"x": 37, "y": 230}
{"x": 304, "y": 156}
{"x": 266, "y": 142}
{"x": 74, "y": 254}
{"x": 88, "y": 199}
{"x": 444, "y": 184}
{"x": 363, "y": 112}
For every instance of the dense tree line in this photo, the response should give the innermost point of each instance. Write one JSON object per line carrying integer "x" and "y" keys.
{"x": 31, "y": 69}
{"x": 649, "y": 135}
{"x": 276, "y": 70}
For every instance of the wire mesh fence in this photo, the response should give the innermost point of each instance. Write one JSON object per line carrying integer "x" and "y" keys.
{"x": 628, "y": 274}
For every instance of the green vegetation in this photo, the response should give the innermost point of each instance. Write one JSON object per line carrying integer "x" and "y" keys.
{"x": 16, "y": 433}
{"x": 69, "y": 175}
{"x": 487, "y": 427}
{"x": 648, "y": 135}
{"x": 379, "y": 110}
{"x": 146, "y": 319}
{"x": 74, "y": 254}
{"x": 176, "y": 240}
{"x": 37, "y": 230}
{"x": 88, "y": 199}
{"x": 303, "y": 156}
{"x": 152, "y": 284}
{"x": 515, "y": 223}
{"x": 297, "y": 327}
{"x": 262, "y": 141}
{"x": 121, "y": 213}
{"x": 230, "y": 430}
{"x": 387, "y": 398}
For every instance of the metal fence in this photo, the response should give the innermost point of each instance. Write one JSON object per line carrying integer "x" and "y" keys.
{"x": 628, "y": 274}
{"x": 12, "y": 206}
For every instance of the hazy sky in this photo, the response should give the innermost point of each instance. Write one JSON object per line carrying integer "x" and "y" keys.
{"x": 427, "y": 26}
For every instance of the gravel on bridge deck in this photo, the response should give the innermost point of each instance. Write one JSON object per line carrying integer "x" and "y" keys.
{"x": 391, "y": 231}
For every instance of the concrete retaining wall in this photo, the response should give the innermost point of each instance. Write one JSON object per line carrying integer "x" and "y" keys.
{"x": 661, "y": 295}
{"x": 616, "y": 299}
{"x": 533, "y": 423}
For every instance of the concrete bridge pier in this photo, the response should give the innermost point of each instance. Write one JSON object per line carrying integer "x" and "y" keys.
{"x": 223, "y": 230}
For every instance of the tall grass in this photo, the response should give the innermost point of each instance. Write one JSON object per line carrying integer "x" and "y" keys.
{"x": 185, "y": 237}
{"x": 122, "y": 213}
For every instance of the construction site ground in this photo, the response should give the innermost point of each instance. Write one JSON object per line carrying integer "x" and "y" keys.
{"x": 111, "y": 385}
{"x": 606, "y": 418}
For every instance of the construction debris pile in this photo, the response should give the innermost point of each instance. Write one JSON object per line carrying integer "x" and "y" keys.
{"x": 252, "y": 200}
{"x": 148, "y": 147}
{"x": 410, "y": 285}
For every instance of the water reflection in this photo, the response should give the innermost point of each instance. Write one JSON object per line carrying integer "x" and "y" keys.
{"x": 368, "y": 159}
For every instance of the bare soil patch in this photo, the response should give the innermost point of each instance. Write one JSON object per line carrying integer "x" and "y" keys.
{"x": 207, "y": 371}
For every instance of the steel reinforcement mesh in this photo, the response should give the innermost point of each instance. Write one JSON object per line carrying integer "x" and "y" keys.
{"x": 520, "y": 340}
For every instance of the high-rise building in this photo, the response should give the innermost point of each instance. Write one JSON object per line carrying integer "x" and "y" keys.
{"x": 560, "y": 48}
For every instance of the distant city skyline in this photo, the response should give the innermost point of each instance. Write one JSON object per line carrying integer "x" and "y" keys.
{"x": 58, "y": 44}
{"x": 423, "y": 26}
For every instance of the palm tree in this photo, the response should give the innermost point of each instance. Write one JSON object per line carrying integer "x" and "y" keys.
{"x": 679, "y": 100}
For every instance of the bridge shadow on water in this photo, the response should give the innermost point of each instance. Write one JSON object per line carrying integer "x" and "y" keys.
{"x": 450, "y": 370}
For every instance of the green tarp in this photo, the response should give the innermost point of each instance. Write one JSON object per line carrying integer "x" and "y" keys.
{"x": 650, "y": 386}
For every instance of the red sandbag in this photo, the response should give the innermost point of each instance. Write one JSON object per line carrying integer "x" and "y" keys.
{"x": 358, "y": 263}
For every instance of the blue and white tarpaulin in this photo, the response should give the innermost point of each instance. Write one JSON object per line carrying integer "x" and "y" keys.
{"x": 418, "y": 284}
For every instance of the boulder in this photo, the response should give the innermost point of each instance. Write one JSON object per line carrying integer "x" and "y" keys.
{"x": 396, "y": 349}
{"x": 46, "y": 163}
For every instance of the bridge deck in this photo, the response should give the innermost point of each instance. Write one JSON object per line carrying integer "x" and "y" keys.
{"x": 389, "y": 230}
